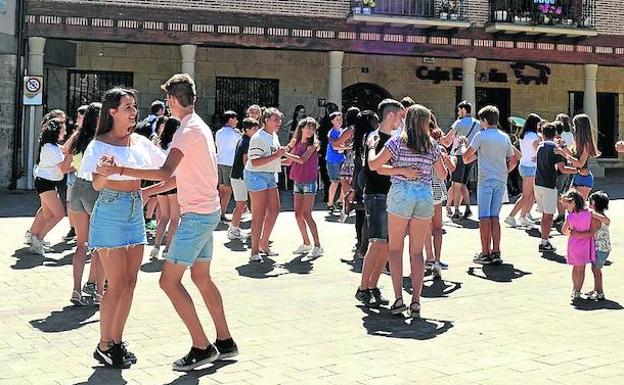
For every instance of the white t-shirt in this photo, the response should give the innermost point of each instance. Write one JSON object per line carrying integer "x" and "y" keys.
{"x": 49, "y": 163}
{"x": 568, "y": 138}
{"x": 140, "y": 154}
{"x": 466, "y": 126}
{"x": 261, "y": 145}
{"x": 226, "y": 140}
{"x": 528, "y": 151}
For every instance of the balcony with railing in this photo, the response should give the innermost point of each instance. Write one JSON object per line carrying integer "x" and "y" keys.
{"x": 574, "y": 18}
{"x": 435, "y": 14}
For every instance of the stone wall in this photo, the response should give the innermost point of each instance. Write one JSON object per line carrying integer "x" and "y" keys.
{"x": 7, "y": 116}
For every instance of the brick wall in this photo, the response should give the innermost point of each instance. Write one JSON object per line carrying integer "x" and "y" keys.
{"x": 609, "y": 13}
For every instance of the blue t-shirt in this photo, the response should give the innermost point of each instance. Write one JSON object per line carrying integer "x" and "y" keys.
{"x": 332, "y": 155}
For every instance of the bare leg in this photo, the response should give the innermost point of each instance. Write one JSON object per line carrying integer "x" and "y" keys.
{"x": 81, "y": 225}
{"x": 258, "y": 213}
{"x": 239, "y": 209}
{"x": 132, "y": 258}
{"x": 174, "y": 218}
{"x": 272, "y": 211}
{"x": 333, "y": 187}
{"x": 308, "y": 204}
{"x": 436, "y": 225}
{"x": 485, "y": 232}
{"x": 225, "y": 192}
{"x": 163, "y": 219}
{"x": 417, "y": 234}
{"x": 495, "y": 232}
{"x": 397, "y": 229}
{"x": 300, "y": 217}
{"x": 597, "y": 279}
{"x": 200, "y": 274}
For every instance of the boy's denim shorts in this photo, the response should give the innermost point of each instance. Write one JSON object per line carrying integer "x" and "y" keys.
{"x": 490, "y": 195}
{"x": 259, "y": 180}
{"x": 376, "y": 217}
{"x": 305, "y": 188}
{"x": 333, "y": 171}
{"x": 601, "y": 259}
{"x": 117, "y": 220}
{"x": 193, "y": 241}
{"x": 410, "y": 199}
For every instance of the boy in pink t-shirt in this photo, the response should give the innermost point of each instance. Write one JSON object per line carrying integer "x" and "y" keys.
{"x": 193, "y": 158}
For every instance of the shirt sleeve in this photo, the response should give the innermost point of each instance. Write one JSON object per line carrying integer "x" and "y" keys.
{"x": 436, "y": 151}
{"x": 258, "y": 148}
{"x": 156, "y": 157}
{"x": 51, "y": 155}
{"x": 90, "y": 158}
{"x": 182, "y": 141}
{"x": 476, "y": 142}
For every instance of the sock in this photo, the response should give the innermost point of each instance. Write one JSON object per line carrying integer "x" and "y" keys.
{"x": 225, "y": 343}
{"x": 544, "y": 241}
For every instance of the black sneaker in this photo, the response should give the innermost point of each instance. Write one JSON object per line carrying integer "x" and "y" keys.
{"x": 546, "y": 247}
{"x": 363, "y": 296}
{"x": 227, "y": 348}
{"x": 112, "y": 358}
{"x": 71, "y": 235}
{"x": 467, "y": 214}
{"x": 379, "y": 299}
{"x": 456, "y": 215}
{"x": 482, "y": 259}
{"x": 196, "y": 358}
{"x": 496, "y": 258}
{"x": 128, "y": 354}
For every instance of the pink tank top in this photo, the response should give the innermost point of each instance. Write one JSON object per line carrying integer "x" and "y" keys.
{"x": 308, "y": 171}
{"x": 580, "y": 250}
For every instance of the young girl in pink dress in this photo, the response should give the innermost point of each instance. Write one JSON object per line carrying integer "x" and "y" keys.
{"x": 580, "y": 228}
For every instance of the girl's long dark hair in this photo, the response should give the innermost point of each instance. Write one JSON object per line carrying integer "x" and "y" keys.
{"x": 350, "y": 116}
{"x": 86, "y": 132}
{"x": 415, "y": 135}
{"x": 298, "y": 135}
{"x": 111, "y": 100}
{"x": 583, "y": 137}
{"x": 166, "y": 136}
{"x": 530, "y": 125}
{"x": 50, "y": 133}
{"x": 577, "y": 198}
{"x": 295, "y": 122}
{"x": 366, "y": 122}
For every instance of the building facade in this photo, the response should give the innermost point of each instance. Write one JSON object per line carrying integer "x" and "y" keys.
{"x": 544, "y": 56}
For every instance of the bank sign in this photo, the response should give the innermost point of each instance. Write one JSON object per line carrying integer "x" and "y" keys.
{"x": 524, "y": 72}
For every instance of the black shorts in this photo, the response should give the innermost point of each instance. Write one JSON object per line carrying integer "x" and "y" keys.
{"x": 43, "y": 185}
{"x": 462, "y": 171}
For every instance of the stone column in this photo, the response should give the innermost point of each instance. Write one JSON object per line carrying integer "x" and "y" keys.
{"x": 334, "y": 87}
{"x": 188, "y": 52}
{"x": 36, "y": 46}
{"x": 469, "y": 87}
{"x": 590, "y": 107}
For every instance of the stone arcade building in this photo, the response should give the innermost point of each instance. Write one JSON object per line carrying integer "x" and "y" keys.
{"x": 544, "y": 56}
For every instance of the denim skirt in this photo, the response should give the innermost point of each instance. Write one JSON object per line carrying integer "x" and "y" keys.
{"x": 117, "y": 220}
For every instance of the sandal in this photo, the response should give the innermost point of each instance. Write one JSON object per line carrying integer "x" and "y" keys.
{"x": 77, "y": 298}
{"x": 398, "y": 307}
{"x": 414, "y": 310}
{"x": 97, "y": 299}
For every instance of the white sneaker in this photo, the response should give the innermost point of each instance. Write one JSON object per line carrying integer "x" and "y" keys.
{"x": 236, "y": 233}
{"x": 165, "y": 253}
{"x": 317, "y": 251}
{"x": 36, "y": 246}
{"x": 511, "y": 221}
{"x": 154, "y": 253}
{"x": 343, "y": 215}
{"x": 27, "y": 238}
{"x": 303, "y": 249}
{"x": 256, "y": 258}
{"x": 269, "y": 253}
{"x": 437, "y": 270}
{"x": 524, "y": 222}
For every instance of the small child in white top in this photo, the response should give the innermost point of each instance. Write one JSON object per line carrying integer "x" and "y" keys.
{"x": 599, "y": 203}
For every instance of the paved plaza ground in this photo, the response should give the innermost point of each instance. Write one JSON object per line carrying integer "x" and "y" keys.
{"x": 298, "y": 323}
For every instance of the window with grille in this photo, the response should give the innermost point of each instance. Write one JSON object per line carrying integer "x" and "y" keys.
{"x": 84, "y": 87}
{"x": 237, "y": 94}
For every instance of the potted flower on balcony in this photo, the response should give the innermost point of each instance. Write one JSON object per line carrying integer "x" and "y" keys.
{"x": 454, "y": 10}
{"x": 357, "y": 7}
{"x": 549, "y": 13}
{"x": 445, "y": 9}
{"x": 367, "y": 6}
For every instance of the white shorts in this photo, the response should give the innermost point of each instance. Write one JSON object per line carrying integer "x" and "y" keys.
{"x": 239, "y": 188}
{"x": 546, "y": 199}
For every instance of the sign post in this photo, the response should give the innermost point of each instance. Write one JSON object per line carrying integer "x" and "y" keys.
{"x": 33, "y": 96}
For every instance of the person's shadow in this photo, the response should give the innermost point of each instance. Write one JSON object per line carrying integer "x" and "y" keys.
{"x": 297, "y": 266}
{"x": 27, "y": 260}
{"x": 553, "y": 256}
{"x": 104, "y": 375}
{"x": 238, "y": 245}
{"x": 193, "y": 377}
{"x": 465, "y": 223}
{"x": 355, "y": 263}
{"x": 381, "y": 322}
{"x": 439, "y": 288}
{"x": 69, "y": 318}
{"x": 258, "y": 270}
{"x": 590, "y": 305}
{"x": 153, "y": 266}
{"x": 503, "y": 273}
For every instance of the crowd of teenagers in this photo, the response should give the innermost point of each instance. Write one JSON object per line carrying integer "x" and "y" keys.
{"x": 391, "y": 166}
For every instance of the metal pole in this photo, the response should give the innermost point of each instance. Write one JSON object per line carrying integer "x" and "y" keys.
{"x": 31, "y": 147}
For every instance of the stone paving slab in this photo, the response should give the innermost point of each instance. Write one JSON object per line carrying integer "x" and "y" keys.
{"x": 298, "y": 323}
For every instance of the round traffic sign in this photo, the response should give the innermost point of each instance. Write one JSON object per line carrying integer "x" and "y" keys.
{"x": 33, "y": 85}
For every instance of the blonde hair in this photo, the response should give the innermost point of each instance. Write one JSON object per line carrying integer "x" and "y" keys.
{"x": 416, "y": 133}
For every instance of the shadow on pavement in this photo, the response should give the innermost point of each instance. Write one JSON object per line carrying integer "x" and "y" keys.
{"x": 103, "y": 375}
{"x": 464, "y": 223}
{"x": 439, "y": 288}
{"x": 503, "y": 273}
{"x": 380, "y": 322}
{"x": 589, "y": 305}
{"x": 237, "y": 245}
{"x": 154, "y": 266}
{"x": 552, "y": 256}
{"x": 336, "y": 219}
{"x": 270, "y": 269}
{"x": 28, "y": 260}
{"x": 355, "y": 263}
{"x": 69, "y": 318}
{"x": 192, "y": 378}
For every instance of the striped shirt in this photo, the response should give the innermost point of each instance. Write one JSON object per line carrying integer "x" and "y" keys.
{"x": 403, "y": 156}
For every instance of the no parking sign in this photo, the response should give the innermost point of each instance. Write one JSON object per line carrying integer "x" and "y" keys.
{"x": 33, "y": 90}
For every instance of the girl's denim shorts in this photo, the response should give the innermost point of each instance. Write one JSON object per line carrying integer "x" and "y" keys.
{"x": 117, "y": 220}
{"x": 259, "y": 180}
{"x": 408, "y": 199}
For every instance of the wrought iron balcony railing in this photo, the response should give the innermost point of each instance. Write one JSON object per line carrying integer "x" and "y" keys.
{"x": 428, "y": 9}
{"x": 559, "y": 13}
